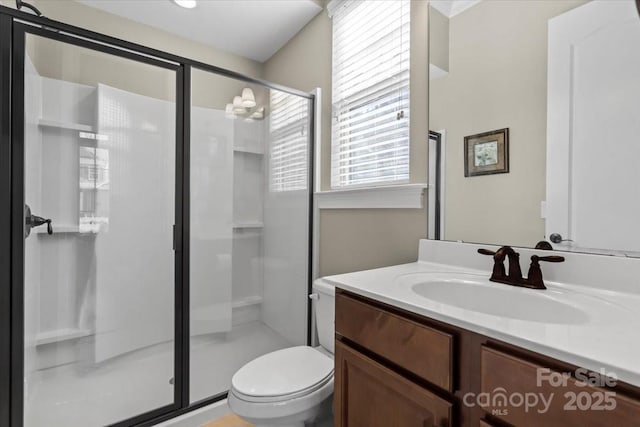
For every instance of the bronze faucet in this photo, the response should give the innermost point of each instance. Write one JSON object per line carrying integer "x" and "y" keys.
{"x": 514, "y": 278}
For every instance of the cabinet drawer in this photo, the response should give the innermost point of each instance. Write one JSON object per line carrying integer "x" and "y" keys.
{"x": 510, "y": 376}
{"x": 368, "y": 394}
{"x": 422, "y": 350}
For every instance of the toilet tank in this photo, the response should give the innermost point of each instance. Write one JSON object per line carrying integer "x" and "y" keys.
{"x": 324, "y": 297}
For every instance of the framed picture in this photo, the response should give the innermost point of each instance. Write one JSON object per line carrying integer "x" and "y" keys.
{"x": 486, "y": 153}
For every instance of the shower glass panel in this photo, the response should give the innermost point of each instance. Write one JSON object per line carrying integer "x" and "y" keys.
{"x": 100, "y": 147}
{"x": 249, "y": 226}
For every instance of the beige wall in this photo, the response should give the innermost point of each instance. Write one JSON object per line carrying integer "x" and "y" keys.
{"x": 89, "y": 67}
{"x": 419, "y": 120}
{"x": 360, "y": 239}
{"x": 304, "y": 63}
{"x": 438, "y": 39}
{"x": 364, "y": 238}
{"x": 497, "y": 79}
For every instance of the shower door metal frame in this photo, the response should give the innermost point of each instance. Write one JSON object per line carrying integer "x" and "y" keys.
{"x": 6, "y": 402}
{"x": 14, "y": 25}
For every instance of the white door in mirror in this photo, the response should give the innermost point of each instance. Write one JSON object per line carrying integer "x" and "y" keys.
{"x": 593, "y": 199}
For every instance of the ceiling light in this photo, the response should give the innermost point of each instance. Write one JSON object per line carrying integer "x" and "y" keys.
{"x": 188, "y": 4}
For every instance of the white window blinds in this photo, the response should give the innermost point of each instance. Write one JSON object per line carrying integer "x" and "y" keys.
{"x": 370, "y": 124}
{"x": 289, "y": 142}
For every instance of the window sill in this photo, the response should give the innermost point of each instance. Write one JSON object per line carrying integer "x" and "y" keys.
{"x": 406, "y": 196}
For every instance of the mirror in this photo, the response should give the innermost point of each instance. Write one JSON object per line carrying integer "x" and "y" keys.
{"x": 535, "y": 106}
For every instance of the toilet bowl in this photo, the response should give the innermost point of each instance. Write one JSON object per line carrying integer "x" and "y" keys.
{"x": 292, "y": 387}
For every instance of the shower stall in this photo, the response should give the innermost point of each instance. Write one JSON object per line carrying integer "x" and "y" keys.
{"x": 155, "y": 223}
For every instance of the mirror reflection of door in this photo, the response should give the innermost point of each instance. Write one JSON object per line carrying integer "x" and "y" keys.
{"x": 593, "y": 200}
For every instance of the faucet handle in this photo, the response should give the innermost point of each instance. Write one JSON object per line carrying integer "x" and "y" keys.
{"x": 550, "y": 258}
{"x": 498, "y": 273}
{"x": 486, "y": 251}
{"x": 534, "y": 279}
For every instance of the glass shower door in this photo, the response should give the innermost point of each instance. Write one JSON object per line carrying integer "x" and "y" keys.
{"x": 99, "y": 279}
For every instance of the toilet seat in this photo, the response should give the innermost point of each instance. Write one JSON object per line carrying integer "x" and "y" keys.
{"x": 283, "y": 375}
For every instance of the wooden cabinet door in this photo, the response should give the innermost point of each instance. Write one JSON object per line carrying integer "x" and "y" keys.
{"x": 368, "y": 394}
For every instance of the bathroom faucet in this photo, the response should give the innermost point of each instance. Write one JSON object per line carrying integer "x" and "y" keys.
{"x": 514, "y": 278}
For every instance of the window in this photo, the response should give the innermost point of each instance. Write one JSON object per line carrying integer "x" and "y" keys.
{"x": 370, "y": 97}
{"x": 289, "y": 148}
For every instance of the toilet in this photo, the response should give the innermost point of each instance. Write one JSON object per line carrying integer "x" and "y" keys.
{"x": 292, "y": 387}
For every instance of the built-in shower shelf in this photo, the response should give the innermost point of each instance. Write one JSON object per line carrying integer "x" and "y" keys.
{"x": 61, "y": 229}
{"x": 64, "y": 125}
{"x": 247, "y": 301}
{"x": 60, "y": 335}
{"x": 247, "y": 224}
{"x": 57, "y": 229}
{"x": 248, "y": 150}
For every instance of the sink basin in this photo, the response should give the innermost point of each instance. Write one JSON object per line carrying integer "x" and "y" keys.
{"x": 481, "y": 295}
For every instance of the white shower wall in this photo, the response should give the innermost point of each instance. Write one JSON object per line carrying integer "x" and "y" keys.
{"x": 211, "y": 221}
{"x": 84, "y": 285}
{"x": 134, "y": 258}
{"x": 56, "y": 270}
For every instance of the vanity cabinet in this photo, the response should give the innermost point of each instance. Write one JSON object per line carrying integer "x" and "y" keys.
{"x": 396, "y": 368}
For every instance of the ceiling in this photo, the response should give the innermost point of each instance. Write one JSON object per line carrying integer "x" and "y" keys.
{"x": 254, "y": 29}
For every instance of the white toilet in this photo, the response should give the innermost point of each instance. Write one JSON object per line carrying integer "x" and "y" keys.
{"x": 292, "y": 387}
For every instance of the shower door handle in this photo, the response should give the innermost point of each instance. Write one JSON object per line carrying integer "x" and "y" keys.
{"x": 31, "y": 221}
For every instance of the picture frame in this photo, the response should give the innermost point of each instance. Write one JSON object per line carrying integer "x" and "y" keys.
{"x": 486, "y": 153}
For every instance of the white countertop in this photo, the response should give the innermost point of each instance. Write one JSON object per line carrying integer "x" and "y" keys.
{"x": 606, "y": 339}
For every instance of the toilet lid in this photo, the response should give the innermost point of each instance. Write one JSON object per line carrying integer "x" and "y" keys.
{"x": 284, "y": 372}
